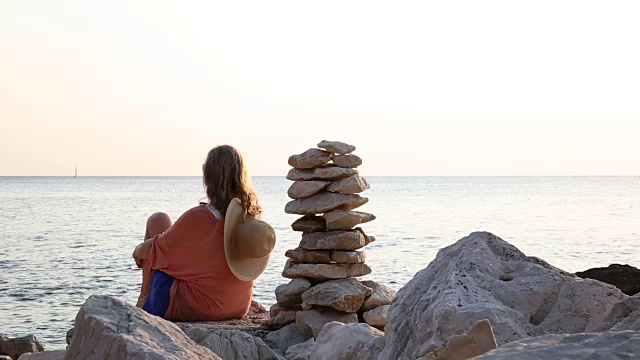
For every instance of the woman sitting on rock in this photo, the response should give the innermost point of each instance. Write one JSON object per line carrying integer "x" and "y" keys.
{"x": 203, "y": 266}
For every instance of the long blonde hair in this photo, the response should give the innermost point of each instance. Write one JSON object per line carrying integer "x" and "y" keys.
{"x": 225, "y": 177}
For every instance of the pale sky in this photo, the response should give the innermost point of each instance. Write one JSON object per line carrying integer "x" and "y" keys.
{"x": 421, "y": 88}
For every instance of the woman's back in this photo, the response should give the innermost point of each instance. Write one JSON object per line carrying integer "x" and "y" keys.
{"x": 192, "y": 252}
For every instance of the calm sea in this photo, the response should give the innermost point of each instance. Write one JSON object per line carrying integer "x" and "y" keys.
{"x": 63, "y": 239}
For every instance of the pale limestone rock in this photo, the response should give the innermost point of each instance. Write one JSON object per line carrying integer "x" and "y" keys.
{"x": 382, "y": 295}
{"x": 309, "y": 159}
{"x": 351, "y": 185}
{"x": 309, "y": 256}
{"x": 377, "y": 316}
{"x": 309, "y": 223}
{"x": 344, "y": 220}
{"x": 347, "y": 161}
{"x": 483, "y": 277}
{"x": 336, "y": 147}
{"x": 274, "y": 310}
{"x": 624, "y": 315}
{"x": 324, "y": 201}
{"x": 321, "y": 173}
{"x": 108, "y": 328}
{"x": 282, "y": 319}
{"x": 231, "y": 344}
{"x": 290, "y": 294}
{"x": 306, "y": 306}
{"x": 300, "y": 351}
{"x": 614, "y": 345}
{"x": 478, "y": 340}
{"x": 345, "y": 295}
{"x": 45, "y": 355}
{"x": 17, "y": 346}
{"x": 631, "y": 322}
{"x": 367, "y": 239}
{"x": 310, "y": 322}
{"x": 303, "y": 189}
{"x": 347, "y": 341}
{"x": 286, "y": 337}
{"x": 250, "y": 324}
{"x": 348, "y": 257}
{"x": 324, "y": 271}
{"x": 333, "y": 240}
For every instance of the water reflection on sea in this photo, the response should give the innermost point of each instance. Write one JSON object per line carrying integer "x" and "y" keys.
{"x": 63, "y": 239}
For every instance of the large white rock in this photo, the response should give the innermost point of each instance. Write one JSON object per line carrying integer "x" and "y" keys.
{"x": 624, "y": 315}
{"x": 474, "y": 342}
{"x": 109, "y": 328}
{"x": 614, "y": 345}
{"x": 347, "y": 341}
{"x": 232, "y": 344}
{"x": 483, "y": 277}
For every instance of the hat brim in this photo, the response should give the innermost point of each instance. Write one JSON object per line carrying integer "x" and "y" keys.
{"x": 245, "y": 269}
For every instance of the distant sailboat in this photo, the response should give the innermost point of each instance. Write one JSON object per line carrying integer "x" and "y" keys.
{"x": 76, "y": 174}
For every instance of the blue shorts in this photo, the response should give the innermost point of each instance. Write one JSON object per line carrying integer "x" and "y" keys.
{"x": 160, "y": 294}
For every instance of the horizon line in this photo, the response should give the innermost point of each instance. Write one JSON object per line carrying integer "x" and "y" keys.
{"x": 283, "y": 176}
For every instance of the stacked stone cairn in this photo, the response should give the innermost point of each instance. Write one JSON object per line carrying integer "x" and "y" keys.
{"x": 324, "y": 267}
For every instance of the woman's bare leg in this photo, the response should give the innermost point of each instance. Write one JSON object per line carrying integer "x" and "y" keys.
{"x": 156, "y": 224}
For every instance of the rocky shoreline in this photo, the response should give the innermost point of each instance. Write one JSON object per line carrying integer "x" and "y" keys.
{"x": 480, "y": 297}
{"x": 476, "y": 291}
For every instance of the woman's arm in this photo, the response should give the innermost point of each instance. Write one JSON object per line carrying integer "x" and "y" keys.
{"x": 142, "y": 251}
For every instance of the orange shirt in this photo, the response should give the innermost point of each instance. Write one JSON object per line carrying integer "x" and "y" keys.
{"x": 192, "y": 251}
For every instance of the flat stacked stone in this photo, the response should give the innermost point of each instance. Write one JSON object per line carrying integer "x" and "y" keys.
{"x": 323, "y": 268}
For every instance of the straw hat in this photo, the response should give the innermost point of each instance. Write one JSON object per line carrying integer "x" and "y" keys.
{"x": 247, "y": 242}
